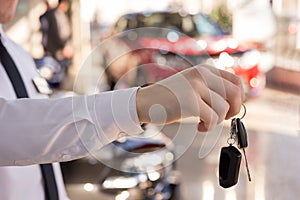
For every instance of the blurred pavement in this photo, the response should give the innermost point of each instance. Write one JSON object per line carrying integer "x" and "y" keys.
{"x": 273, "y": 125}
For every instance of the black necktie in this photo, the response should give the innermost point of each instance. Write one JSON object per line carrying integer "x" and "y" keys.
{"x": 51, "y": 192}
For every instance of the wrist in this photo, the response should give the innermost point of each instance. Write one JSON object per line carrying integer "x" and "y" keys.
{"x": 157, "y": 104}
{"x": 141, "y": 106}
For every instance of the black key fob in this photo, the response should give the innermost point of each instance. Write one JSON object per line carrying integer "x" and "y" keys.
{"x": 229, "y": 166}
{"x": 241, "y": 134}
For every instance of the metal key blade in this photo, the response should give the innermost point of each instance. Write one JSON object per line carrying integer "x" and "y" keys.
{"x": 247, "y": 167}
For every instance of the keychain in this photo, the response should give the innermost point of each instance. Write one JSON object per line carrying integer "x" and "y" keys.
{"x": 230, "y": 157}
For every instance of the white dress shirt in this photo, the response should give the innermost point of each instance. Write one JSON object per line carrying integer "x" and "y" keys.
{"x": 41, "y": 130}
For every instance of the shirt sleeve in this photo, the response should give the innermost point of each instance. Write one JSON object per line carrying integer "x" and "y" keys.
{"x": 54, "y": 130}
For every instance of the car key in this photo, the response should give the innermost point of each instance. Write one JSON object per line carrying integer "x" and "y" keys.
{"x": 241, "y": 134}
{"x": 230, "y": 160}
{"x": 229, "y": 166}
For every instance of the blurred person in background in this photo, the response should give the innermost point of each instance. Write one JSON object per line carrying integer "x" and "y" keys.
{"x": 36, "y": 130}
{"x": 56, "y": 33}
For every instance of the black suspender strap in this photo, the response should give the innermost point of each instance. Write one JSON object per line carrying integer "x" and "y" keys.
{"x": 10, "y": 67}
{"x": 51, "y": 192}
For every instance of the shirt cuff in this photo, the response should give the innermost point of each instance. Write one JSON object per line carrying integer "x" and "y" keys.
{"x": 123, "y": 104}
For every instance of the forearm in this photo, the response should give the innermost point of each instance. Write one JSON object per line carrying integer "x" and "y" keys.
{"x": 51, "y": 130}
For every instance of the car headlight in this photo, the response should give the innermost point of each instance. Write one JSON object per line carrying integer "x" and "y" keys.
{"x": 250, "y": 59}
{"x": 225, "y": 61}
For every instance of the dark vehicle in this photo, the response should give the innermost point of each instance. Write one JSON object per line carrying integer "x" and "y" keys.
{"x": 144, "y": 168}
{"x": 130, "y": 168}
{"x": 163, "y": 43}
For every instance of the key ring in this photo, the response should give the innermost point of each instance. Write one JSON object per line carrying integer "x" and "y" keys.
{"x": 232, "y": 139}
{"x": 245, "y": 111}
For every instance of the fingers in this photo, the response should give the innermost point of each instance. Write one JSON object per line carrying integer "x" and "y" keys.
{"x": 212, "y": 100}
{"x": 212, "y": 108}
{"x": 228, "y": 76}
{"x": 226, "y": 85}
{"x": 208, "y": 117}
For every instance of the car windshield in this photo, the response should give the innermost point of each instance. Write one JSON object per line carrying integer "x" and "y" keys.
{"x": 190, "y": 25}
{"x": 206, "y": 27}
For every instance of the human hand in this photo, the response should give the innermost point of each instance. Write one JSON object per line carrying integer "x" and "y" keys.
{"x": 201, "y": 91}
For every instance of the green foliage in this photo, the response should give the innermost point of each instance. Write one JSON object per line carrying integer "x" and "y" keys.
{"x": 223, "y": 17}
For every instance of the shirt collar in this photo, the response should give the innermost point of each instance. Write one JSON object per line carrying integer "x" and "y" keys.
{"x": 2, "y": 35}
{"x": 1, "y": 30}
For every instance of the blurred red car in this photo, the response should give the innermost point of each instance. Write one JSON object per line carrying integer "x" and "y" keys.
{"x": 163, "y": 43}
